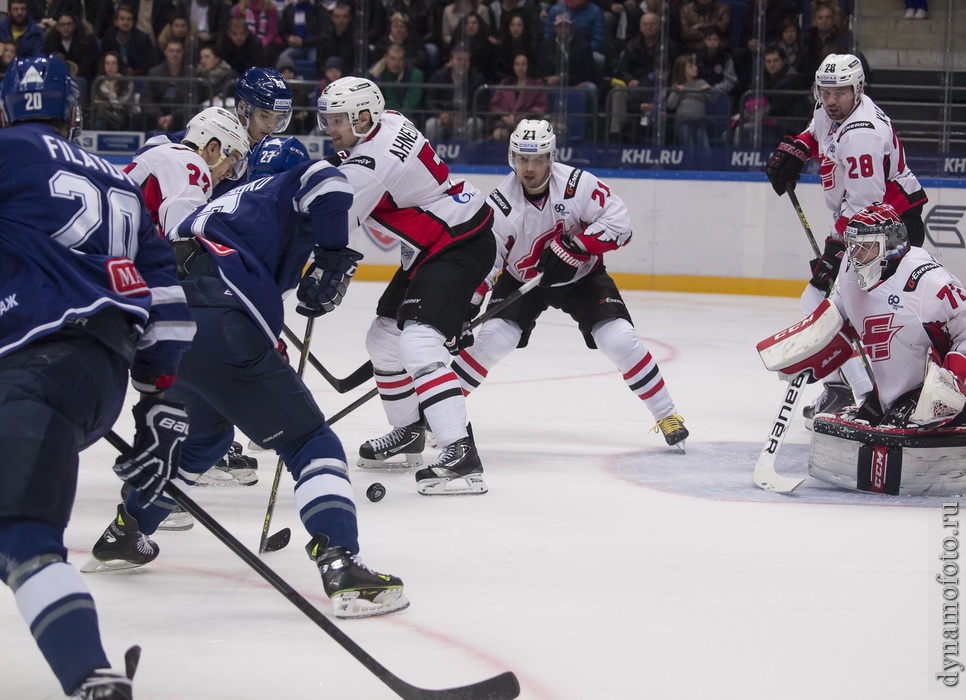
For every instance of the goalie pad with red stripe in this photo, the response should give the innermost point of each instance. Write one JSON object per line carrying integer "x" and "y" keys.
{"x": 821, "y": 342}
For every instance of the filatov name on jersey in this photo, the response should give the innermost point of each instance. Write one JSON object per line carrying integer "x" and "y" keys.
{"x": 62, "y": 150}
{"x": 403, "y": 144}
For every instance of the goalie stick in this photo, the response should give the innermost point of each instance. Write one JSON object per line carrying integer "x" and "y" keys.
{"x": 504, "y": 686}
{"x": 342, "y": 386}
{"x": 765, "y": 476}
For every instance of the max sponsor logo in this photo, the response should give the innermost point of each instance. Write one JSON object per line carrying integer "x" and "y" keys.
{"x": 125, "y": 278}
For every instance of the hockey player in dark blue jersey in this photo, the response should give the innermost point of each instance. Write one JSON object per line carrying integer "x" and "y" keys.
{"x": 88, "y": 292}
{"x": 250, "y": 247}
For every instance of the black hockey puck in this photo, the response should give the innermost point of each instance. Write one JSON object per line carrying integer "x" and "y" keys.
{"x": 376, "y": 492}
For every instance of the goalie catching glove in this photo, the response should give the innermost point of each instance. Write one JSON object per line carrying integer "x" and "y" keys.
{"x": 559, "y": 261}
{"x": 784, "y": 168}
{"x": 159, "y": 429}
{"x": 942, "y": 397}
{"x": 324, "y": 284}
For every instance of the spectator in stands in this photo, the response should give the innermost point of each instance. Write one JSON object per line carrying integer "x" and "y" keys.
{"x": 566, "y": 59}
{"x": 8, "y": 54}
{"x": 587, "y": 23}
{"x": 451, "y": 105}
{"x": 824, "y": 36}
{"x": 135, "y": 48}
{"x": 917, "y": 9}
{"x": 167, "y": 98}
{"x": 620, "y": 22}
{"x": 509, "y": 106}
{"x": 240, "y": 47}
{"x": 502, "y": 11}
{"x": 472, "y": 33}
{"x": 75, "y": 44}
{"x": 262, "y": 20}
{"x": 332, "y": 70}
{"x": 399, "y": 34}
{"x": 790, "y": 111}
{"x": 515, "y": 36}
{"x": 162, "y": 12}
{"x": 792, "y": 43}
{"x": 422, "y": 25}
{"x": 715, "y": 65}
{"x": 673, "y": 17}
{"x": 455, "y": 13}
{"x": 219, "y": 77}
{"x": 687, "y": 99}
{"x": 338, "y": 39}
{"x": 114, "y": 100}
{"x": 697, "y": 16}
{"x": 99, "y": 16}
{"x": 749, "y": 49}
{"x": 178, "y": 28}
{"x": 209, "y": 18}
{"x": 394, "y": 74}
{"x": 301, "y": 28}
{"x": 19, "y": 28}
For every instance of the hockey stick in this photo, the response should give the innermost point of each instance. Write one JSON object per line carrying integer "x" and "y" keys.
{"x": 793, "y": 198}
{"x": 765, "y": 476}
{"x": 475, "y": 323}
{"x": 499, "y": 687}
{"x": 273, "y": 543}
{"x": 341, "y": 385}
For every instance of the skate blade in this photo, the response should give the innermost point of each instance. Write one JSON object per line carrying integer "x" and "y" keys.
{"x": 472, "y": 485}
{"x": 410, "y": 461}
{"x": 96, "y": 566}
{"x": 177, "y": 523}
{"x": 680, "y": 446}
{"x": 255, "y": 448}
{"x": 220, "y": 478}
{"x": 350, "y": 606}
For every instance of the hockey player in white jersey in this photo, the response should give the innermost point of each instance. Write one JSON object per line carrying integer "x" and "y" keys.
{"x": 444, "y": 226}
{"x": 560, "y": 220}
{"x": 177, "y": 178}
{"x": 862, "y": 161}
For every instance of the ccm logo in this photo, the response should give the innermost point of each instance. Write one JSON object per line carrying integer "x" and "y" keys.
{"x": 178, "y": 426}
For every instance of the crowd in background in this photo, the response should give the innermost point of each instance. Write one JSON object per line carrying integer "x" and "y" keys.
{"x": 147, "y": 64}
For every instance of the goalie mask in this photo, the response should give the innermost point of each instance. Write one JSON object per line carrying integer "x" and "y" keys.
{"x": 839, "y": 85}
{"x": 875, "y": 236}
{"x": 533, "y": 147}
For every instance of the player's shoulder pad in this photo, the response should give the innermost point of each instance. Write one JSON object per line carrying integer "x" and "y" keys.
{"x": 915, "y": 277}
{"x": 500, "y": 202}
{"x": 364, "y": 161}
{"x": 570, "y": 190}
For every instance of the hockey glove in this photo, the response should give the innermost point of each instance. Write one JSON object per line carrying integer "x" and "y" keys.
{"x": 322, "y": 287}
{"x": 159, "y": 429}
{"x": 825, "y": 268}
{"x": 784, "y": 168}
{"x": 559, "y": 262}
{"x": 465, "y": 338}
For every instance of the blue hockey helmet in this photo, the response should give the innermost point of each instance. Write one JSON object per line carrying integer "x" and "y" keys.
{"x": 266, "y": 89}
{"x": 274, "y": 155}
{"x": 37, "y": 89}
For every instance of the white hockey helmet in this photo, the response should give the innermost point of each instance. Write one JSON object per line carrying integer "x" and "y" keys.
{"x": 351, "y": 96}
{"x": 533, "y": 137}
{"x": 841, "y": 70}
{"x": 875, "y": 236}
{"x": 220, "y": 124}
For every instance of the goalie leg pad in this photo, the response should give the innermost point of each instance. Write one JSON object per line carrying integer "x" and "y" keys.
{"x": 903, "y": 462}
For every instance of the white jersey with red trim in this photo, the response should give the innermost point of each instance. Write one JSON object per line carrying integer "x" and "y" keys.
{"x": 175, "y": 181}
{"x": 921, "y": 306}
{"x": 862, "y": 161}
{"x": 403, "y": 189}
{"x": 577, "y": 205}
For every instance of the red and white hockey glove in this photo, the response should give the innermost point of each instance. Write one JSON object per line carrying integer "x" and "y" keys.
{"x": 943, "y": 396}
{"x": 784, "y": 168}
{"x": 559, "y": 262}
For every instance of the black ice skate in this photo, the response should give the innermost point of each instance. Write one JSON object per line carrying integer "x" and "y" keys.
{"x": 234, "y": 469}
{"x": 673, "y": 430}
{"x": 457, "y": 472}
{"x": 354, "y": 589}
{"x": 407, "y": 442}
{"x": 105, "y": 684}
{"x": 178, "y": 519}
{"x": 122, "y": 546}
{"x": 837, "y": 396}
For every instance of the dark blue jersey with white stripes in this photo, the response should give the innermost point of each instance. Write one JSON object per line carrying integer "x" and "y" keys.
{"x": 75, "y": 239}
{"x": 262, "y": 234}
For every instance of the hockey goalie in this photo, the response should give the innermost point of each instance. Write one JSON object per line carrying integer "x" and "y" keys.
{"x": 908, "y": 316}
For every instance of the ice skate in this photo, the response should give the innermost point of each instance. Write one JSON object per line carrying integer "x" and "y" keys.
{"x": 672, "y": 427}
{"x": 837, "y": 396}
{"x": 105, "y": 684}
{"x": 354, "y": 589}
{"x": 457, "y": 472}
{"x": 122, "y": 546}
{"x": 177, "y": 521}
{"x": 407, "y": 442}
{"x": 234, "y": 469}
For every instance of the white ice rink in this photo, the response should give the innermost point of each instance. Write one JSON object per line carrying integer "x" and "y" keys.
{"x": 601, "y": 566}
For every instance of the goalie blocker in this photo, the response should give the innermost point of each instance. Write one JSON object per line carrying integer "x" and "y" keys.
{"x": 821, "y": 342}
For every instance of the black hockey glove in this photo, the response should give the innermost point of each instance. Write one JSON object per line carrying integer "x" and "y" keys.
{"x": 322, "y": 287}
{"x": 465, "y": 338}
{"x": 825, "y": 268}
{"x": 559, "y": 262}
{"x": 784, "y": 168}
{"x": 159, "y": 429}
